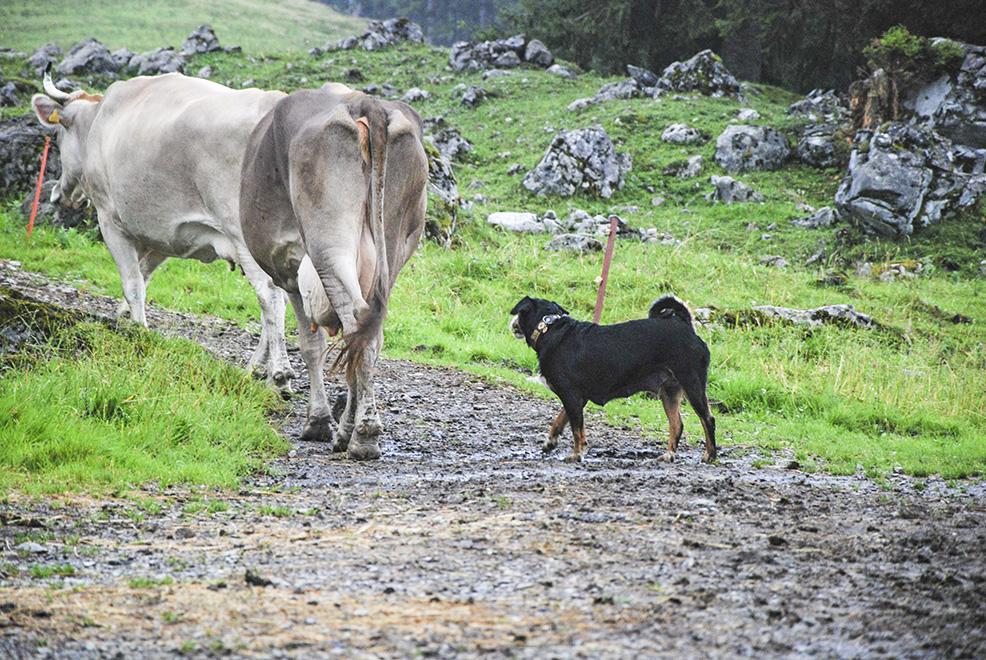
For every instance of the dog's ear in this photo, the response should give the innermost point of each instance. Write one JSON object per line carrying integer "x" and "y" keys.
{"x": 524, "y": 303}
{"x": 561, "y": 310}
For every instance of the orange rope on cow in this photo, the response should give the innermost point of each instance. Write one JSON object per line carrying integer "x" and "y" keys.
{"x": 607, "y": 260}
{"x": 37, "y": 189}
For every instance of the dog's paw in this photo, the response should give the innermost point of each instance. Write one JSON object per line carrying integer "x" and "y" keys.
{"x": 668, "y": 457}
{"x": 549, "y": 445}
{"x": 709, "y": 457}
{"x": 573, "y": 458}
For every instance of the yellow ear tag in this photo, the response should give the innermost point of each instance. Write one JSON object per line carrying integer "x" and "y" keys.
{"x": 53, "y": 118}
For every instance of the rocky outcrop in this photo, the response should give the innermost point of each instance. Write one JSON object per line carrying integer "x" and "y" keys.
{"x": 502, "y": 54}
{"x": 579, "y": 232}
{"x": 470, "y": 96}
{"x": 841, "y": 315}
{"x": 682, "y": 134}
{"x": 87, "y": 57}
{"x": 562, "y": 72}
{"x": 159, "y": 60}
{"x": 818, "y": 147}
{"x": 379, "y": 35}
{"x": 823, "y": 217}
{"x": 202, "y": 40}
{"x": 902, "y": 178}
{"x": 21, "y": 142}
{"x": 443, "y": 198}
{"x": 521, "y": 222}
{"x": 742, "y": 147}
{"x": 685, "y": 169}
{"x": 820, "y": 106}
{"x": 954, "y": 105}
{"x": 728, "y": 190}
{"x": 582, "y": 160}
{"x": 451, "y": 145}
{"x": 577, "y": 243}
{"x": 43, "y": 56}
{"x": 56, "y": 214}
{"x": 704, "y": 73}
{"x": 416, "y": 95}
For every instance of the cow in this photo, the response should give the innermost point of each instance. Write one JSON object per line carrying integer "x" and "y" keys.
{"x": 159, "y": 158}
{"x": 332, "y": 204}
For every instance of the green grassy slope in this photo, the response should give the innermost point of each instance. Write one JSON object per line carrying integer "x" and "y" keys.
{"x": 912, "y": 397}
{"x": 256, "y": 25}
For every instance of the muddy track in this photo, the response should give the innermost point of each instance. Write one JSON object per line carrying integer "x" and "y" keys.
{"x": 463, "y": 540}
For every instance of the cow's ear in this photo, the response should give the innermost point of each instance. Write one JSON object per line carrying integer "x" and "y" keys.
{"x": 48, "y": 111}
{"x": 524, "y": 303}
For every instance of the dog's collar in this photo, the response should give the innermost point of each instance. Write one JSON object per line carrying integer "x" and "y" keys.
{"x": 543, "y": 326}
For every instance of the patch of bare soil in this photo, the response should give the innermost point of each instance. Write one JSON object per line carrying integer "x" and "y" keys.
{"x": 463, "y": 541}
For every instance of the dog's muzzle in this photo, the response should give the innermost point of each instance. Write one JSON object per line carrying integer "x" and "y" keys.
{"x": 515, "y": 327}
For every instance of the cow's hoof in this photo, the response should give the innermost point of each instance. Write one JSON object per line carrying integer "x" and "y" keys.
{"x": 317, "y": 430}
{"x": 369, "y": 451}
{"x": 668, "y": 457}
{"x": 280, "y": 380}
{"x": 573, "y": 458}
{"x": 343, "y": 434}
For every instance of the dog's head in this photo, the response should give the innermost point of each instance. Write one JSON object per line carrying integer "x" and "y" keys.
{"x": 528, "y": 313}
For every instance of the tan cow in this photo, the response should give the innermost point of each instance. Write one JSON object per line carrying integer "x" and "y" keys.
{"x": 332, "y": 206}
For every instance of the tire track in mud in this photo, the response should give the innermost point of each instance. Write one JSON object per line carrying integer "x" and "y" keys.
{"x": 464, "y": 540}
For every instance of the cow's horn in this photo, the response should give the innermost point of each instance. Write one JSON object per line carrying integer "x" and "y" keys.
{"x": 50, "y": 88}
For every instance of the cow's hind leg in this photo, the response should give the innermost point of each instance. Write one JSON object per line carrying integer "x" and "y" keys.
{"x": 127, "y": 260}
{"x": 318, "y": 425}
{"x": 364, "y": 444}
{"x": 271, "y": 356}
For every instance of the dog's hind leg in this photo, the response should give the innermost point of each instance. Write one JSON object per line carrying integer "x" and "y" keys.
{"x": 671, "y": 398}
{"x": 573, "y": 410}
{"x": 695, "y": 390}
{"x": 554, "y": 431}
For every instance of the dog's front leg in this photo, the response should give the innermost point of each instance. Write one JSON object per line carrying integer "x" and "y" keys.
{"x": 574, "y": 414}
{"x": 554, "y": 431}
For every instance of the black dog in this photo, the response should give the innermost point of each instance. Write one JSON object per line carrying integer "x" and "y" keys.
{"x": 583, "y": 361}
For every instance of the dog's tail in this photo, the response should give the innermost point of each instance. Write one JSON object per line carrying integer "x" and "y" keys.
{"x": 670, "y": 306}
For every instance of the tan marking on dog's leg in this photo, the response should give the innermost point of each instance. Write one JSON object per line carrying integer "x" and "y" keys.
{"x": 709, "y": 426}
{"x": 672, "y": 408}
{"x": 555, "y": 430}
{"x": 578, "y": 446}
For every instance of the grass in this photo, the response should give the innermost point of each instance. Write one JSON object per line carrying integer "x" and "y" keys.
{"x": 79, "y": 415}
{"x": 911, "y": 397}
{"x": 255, "y": 25}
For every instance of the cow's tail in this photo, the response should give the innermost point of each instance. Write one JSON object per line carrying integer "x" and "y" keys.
{"x": 372, "y": 123}
{"x": 670, "y": 306}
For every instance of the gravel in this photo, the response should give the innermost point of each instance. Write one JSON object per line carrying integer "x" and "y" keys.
{"x": 463, "y": 540}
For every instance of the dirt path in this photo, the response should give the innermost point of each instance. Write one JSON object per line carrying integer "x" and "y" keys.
{"x": 463, "y": 540}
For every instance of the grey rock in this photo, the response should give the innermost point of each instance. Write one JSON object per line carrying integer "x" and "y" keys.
{"x": 685, "y": 169}
{"x": 496, "y": 73}
{"x": 56, "y": 214}
{"x": 682, "y": 134}
{"x": 43, "y": 56}
{"x": 644, "y": 77}
{"x": 517, "y": 222}
{"x": 817, "y": 147}
{"x": 820, "y": 105}
{"x": 730, "y": 191}
{"x": 954, "y": 105}
{"x": 121, "y": 57}
{"x": 202, "y": 40}
{"x": 516, "y": 168}
{"x": 159, "y": 60}
{"x": 747, "y": 114}
{"x": 204, "y": 72}
{"x": 444, "y": 201}
{"x": 902, "y": 178}
{"x": 31, "y": 547}
{"x": 774, "y": 261}
{"x": 382, "y": 34}
{"x": 450, "y": 144}
{"x": 21, "y": 142}
{"x": 577, "y": 243}
{"x": 564, "y": 72}
{"x": 537, "y": 53}
{"x": 8, "y": 94}
{"x": 89, "y": 56}
{"x": 823, "y": 217}
{"x": 704, "y": 72}
{"x": 580, "y": 104}
{"x": 347, "y": 43}
{"x": 844, "y": 315}
{"x": 580, "y": 160}
{"x": 472, "y": 96}
{"x": 415, "y": 94}
{"x": 507, "y": 60}
{"x": 742, "y": 147}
